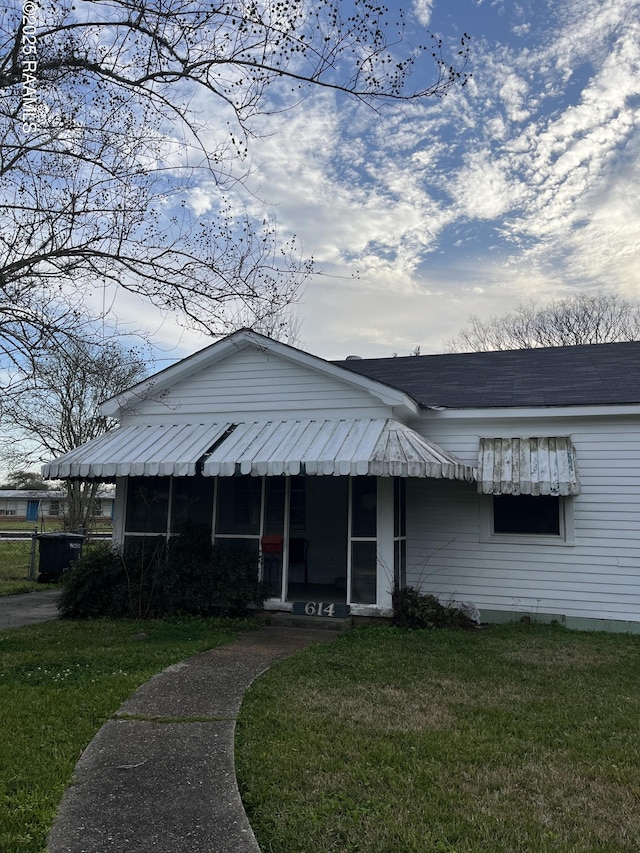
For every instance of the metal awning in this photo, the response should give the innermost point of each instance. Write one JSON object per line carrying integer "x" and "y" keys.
{"x": 382, "y": 448}
{"x": 139, "y": 451}
{"x": 377, "y": 447}
{"x": 527, "y": 466}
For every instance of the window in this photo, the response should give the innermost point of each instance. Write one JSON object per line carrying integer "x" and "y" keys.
{"x": 54, "y": 507}
{"x": 527, "y": 518}
{"x": 538, "y": 516}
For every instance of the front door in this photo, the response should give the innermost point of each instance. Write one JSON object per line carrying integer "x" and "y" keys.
{"x": 317, "y": 539}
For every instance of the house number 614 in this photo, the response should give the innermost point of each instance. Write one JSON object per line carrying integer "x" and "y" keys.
{"x": 319, "y": 608}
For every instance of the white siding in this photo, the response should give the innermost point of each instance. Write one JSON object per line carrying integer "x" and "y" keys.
{"x": 253, "y": 385}
{"x": 598, "y": 577}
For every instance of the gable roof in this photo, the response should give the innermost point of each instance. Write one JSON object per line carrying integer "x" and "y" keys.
{"x": 594, "y": 374}
{"x": 161, "y": 382}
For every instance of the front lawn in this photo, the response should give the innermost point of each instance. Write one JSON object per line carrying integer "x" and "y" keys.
{"x": 15, "y": 558}
{"x": 513, "y": 738}
{"x": 14, "y": 566}
{"x": 59, "y": 682}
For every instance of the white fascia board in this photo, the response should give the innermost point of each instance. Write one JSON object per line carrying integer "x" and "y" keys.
{"x": 549, "y": 412}
{"x": 219, "y": 350}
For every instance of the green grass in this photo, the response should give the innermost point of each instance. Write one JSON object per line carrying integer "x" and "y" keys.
{"x": 14, "y": 567}
{"x": 15, "y": 557}
{"x": 514, "y": 738}
{"x": 59, "y": 682}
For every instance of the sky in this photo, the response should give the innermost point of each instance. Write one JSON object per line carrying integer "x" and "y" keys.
{"x": 523, "y": 185}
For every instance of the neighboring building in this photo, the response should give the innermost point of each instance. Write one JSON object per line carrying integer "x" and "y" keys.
{"x": 509, "y": 479}
{"x": 35, "y": 505}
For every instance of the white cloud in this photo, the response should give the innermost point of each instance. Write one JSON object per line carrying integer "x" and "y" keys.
{"x": 482, "y": 189}
{"x": 514, "y": 92}
{"x": 521, "y": 185}
{"x": 422, "y": 10}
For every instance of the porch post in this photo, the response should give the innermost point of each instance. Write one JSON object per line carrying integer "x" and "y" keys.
{"x": 385, "y": 542}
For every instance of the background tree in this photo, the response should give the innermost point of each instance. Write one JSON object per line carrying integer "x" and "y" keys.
{"x": 111, "y": 114}
{"x": 25, "y": 480}
{"x": 61, "y": 411}
{"x": 582, "y": 319}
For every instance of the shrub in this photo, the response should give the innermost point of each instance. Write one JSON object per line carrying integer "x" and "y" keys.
{"x": 95, "y": 586}
{"x": 413, "y": 609}
{"x": 190, "y": 577}
{"x": 237, "y": 584}
{"x": 201, "y": 579}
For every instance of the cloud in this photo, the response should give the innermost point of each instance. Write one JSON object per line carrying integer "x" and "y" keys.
{"x": 521, "y": 185}
{"x": 483, "y": 188}
{"x": 422, "y": 10}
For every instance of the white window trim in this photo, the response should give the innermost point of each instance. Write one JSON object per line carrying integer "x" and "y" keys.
{"x": 567, "y": 534}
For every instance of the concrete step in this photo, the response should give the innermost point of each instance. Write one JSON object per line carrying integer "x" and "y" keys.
{"x": 319, "y": 623}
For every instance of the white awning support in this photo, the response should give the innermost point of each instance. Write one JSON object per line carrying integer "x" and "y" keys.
{"x": 527, "y": 466}
{"x": 375, "y": 447}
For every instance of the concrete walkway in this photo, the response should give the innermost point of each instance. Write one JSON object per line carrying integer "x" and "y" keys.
{"x": 28, "y": 609}
{"x": 160, "y": 776}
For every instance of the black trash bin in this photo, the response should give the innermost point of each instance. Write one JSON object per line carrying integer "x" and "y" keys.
{"x": 57, "y": 552}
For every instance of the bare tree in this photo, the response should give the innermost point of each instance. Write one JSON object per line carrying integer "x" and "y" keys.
{"x": 583, "y": 319}
{"x": 279, "y": 324}
{"x": 61, "y": 410}
{"x": 111, "y": 114}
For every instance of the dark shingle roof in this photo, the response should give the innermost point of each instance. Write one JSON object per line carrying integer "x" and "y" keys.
{"x": 597, "y": 374}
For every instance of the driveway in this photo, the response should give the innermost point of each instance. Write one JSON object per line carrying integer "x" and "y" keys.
{"x": 28, "y": 609}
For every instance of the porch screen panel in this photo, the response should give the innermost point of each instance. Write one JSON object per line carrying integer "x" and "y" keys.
{"x": 275, "y": 488}
{"x": 363, "y": 571}
{"x": 272, "y": 541}
{"x": 147, "y": 505}
{"x": 192, "y": 503}
{"x": 400, "y": 533}
{"x": 363, "y": 543}
{"x": 239, "y": 504}
{"x": 364, "y": 507}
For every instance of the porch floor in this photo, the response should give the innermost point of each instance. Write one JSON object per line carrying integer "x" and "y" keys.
{"x": 317, "y": 592}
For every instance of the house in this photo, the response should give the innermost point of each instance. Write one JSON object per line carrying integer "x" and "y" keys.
{"x": 41, "y": 505}
{"x": 509, "y": 479}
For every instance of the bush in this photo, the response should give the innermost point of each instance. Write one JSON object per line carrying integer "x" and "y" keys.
{"x": 190, "y": 577}
{"x": 205, "y": 580}
{"x": 413, "y": 609}
{"x": 95, "y": 586}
